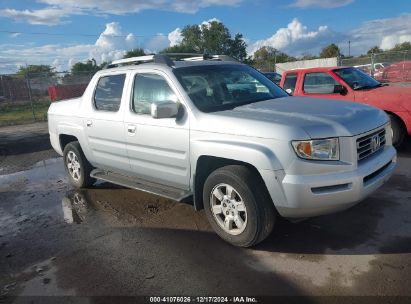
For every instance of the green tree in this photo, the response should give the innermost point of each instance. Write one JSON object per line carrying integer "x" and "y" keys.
{"x": 270, "y": 55}
{"x": 238, "y": 47}
{"x": 329, "y": 51}
{"x": 374, "y": 50}
{"x": 89, "y": 66}
{"x": 212, "y": 38}
{"x": 36, "y": 70}
{"x": 134, "y": 53}
{"x": 178, "y": 49}
{"x": 308, "y": 56}
{"x": 405, "y": 46}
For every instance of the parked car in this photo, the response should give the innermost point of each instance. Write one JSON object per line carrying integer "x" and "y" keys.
{"x": 274, "y": 77}
{"x": 218, "y": 133}
{"x": 378, "y": 67}
{"x": 397, "y": 72}
{"x": 348, "y": 83}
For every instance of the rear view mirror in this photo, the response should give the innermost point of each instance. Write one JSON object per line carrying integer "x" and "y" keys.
{"x": 340, "y": 89}
{"x": 165, "y": 109}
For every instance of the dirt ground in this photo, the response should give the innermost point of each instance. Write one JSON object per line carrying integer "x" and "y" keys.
{"x": 112, "y": 241}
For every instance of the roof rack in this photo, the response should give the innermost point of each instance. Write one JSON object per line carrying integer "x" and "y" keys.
{"x": 166, "y": 59}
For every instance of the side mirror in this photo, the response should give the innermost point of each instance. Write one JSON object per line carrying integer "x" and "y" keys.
{"x": 165, "y": 109}
{"x": 340, "y": 89}
{"x": 289, "y": 91}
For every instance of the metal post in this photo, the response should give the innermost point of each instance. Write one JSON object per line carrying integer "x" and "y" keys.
{"x": 403, "y": 66}
{"x": 3, "y": 89}
{"x": 372, "y": 64}
{"x": 349, "y": 48}
{"x": 30, "y": 95}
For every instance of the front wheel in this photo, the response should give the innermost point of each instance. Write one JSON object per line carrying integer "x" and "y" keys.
{"x": 238, "y": 206}
{"x": 77, "y": 166}
{"x": 398, "y": 131}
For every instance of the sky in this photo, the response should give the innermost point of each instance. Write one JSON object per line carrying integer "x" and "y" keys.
{"x": 63, "y": 32}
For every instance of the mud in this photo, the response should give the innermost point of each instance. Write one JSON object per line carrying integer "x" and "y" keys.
{"x": 108, "y": 240}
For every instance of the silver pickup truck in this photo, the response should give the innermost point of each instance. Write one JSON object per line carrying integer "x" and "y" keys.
{"x": 218, "y": 133}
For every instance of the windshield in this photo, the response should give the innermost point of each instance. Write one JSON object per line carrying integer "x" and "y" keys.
{"x": 221, "y": 87}
{"x": 357, "y": 79}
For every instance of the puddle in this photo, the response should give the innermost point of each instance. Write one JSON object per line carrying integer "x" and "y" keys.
{"x": 41, "y": 176}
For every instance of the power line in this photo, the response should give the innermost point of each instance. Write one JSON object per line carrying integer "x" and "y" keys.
{"x": 74, "y": 34}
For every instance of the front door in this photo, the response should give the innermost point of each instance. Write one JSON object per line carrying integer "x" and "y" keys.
{"x": 322, "y": 85}
{"x": 158, "y": 149}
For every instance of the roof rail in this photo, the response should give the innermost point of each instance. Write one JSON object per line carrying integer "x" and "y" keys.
{"x": 142, "y": 59}
{"x": 165, "y": 59}
{"x": 211, "y": 57}
{"x": 139, "y": 59}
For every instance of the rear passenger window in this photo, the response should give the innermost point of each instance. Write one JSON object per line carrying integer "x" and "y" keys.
{"x": 109, "y": 90}
{"x": 290, "y": 82}
{"x": 319, "y": 83}
{"x": 148, "y": 89}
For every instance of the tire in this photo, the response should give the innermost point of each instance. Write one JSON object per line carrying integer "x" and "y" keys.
{"x": 77, "y": 166}
{"x": 249, "y": 201}
{"x": 398, "y": 131}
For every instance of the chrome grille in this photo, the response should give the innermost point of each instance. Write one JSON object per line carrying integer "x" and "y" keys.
{"x": 370, "y": 144}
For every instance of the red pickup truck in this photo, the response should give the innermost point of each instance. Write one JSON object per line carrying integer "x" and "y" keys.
{"x": 351, "y": 84}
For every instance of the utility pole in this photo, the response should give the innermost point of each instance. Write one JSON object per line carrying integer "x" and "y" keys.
{"x": 349, "y": 48}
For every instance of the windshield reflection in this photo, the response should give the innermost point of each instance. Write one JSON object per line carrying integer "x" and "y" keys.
{"x": 357, "y": 79}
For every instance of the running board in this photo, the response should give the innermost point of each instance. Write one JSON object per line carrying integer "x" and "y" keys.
{"x": 176, "y": 194}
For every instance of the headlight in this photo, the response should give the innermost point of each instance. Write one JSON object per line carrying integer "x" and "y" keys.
{"x": 319, "y": 149}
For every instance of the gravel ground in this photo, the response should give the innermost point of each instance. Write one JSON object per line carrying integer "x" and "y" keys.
{"x": 112, "y": 241}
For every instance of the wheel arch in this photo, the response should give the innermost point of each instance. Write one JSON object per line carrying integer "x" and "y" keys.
{"x": 401, "y": 119}
{"x": 65, "y": 139}
{"x": 205, "y": 165}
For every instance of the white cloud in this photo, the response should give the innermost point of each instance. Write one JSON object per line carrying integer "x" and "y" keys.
{"x": 110, "y": 45}
{"x": 388, "y": 42}
{"x": 46, "y": 16}
{"x": 156, "y": 44}
{"x": 175, "y": 37}
{"x": 320, "y": 3}
{"x": 208, "y": 22}
{"x": 384, "y": 33}
{"x": 56, "y": 10}
{"x": 296, "y": 39}
{"x": 14, "y": 35}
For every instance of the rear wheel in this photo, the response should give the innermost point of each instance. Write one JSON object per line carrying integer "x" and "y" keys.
{"x": 238, "y": 206}
{"x": 77, "y": 166}
{"x": 398, "y": 131}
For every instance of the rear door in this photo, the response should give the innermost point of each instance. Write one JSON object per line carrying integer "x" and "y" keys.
{"x": 104, "y": 124}
{"x": 158, "y": 149}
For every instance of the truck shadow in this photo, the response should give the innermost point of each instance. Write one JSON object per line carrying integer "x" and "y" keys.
{"x": 405, "y": 149}
{"x": 371, "y": 227}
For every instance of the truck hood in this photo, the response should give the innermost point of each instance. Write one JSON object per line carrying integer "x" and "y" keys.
{"x": 395, "y": 98}
{"x": 297, "y": 118}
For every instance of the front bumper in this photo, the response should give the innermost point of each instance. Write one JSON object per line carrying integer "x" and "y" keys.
{"x": 312, "y": 195}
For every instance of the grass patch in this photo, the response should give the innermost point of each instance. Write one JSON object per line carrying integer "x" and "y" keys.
{"x": 13, "y": 113}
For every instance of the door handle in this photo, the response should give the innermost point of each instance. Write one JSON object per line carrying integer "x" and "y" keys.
{"x": 89, "y": 123}
{"x": 131, "y": 129}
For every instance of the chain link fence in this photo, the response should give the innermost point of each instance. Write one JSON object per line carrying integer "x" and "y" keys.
{"x": 387, "y": 67}
{"x": 26, "y": 98}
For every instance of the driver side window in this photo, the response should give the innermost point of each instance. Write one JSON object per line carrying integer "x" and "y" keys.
{"x": 148, "y": 89}
{"x": 319, "y": 83}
